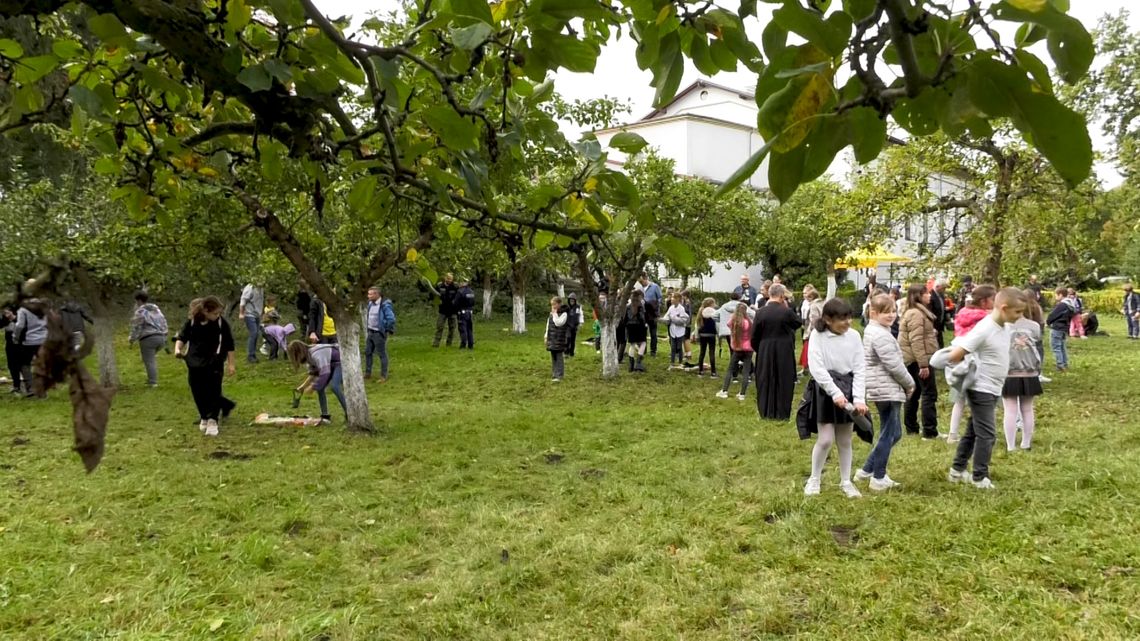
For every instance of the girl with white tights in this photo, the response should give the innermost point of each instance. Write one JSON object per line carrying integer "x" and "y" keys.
{"x": 837, "y": 364}
{"x": 1023, "y": 384}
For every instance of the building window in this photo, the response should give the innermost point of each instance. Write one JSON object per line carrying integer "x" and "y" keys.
{"x": 908, "y": 231}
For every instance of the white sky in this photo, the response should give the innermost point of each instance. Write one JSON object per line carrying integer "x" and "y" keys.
{"x": 618, "y": 76}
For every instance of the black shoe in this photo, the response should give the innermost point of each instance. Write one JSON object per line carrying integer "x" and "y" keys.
{"x": 227, "y": 410}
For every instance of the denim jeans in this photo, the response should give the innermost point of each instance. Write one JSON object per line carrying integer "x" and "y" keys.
{"x": 334, "y": 386}
{"x": 376, "y": 344}
{"x": 1057, "y": 338}
{"x": 557, "y": 364}
{"x": 253, "y": 325}
{"x": 890, "y": 432}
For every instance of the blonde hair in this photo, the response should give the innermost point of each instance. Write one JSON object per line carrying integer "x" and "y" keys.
{"x": 882, "y": 304}
{"x": 810, "y": 292}
{"x": 199, "y": 307}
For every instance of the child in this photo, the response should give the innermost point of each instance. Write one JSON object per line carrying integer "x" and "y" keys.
{"x": 270, "y": 315}
{"x": 1077, "y": 324}
{"x": 988, "y": 342}
{"x": 277, "y": 338}
{"x": 323, "y": 361}
{"x": 574, "y": 320}
{"x": 1024, "y": 380}
{"x": 206, "y": 343}
{"x": 687, "y": 303}
{"x": 837, "y": 364}
{"x": 555, "y": 338}
{"x": 149, "y": 330}
{"x": 706, "y": 321}
{"x": 634, "y": 326}
{"x": 1059, "y": 321}
{"x": 677, "y": 319}
{"x": 740, "y": 337}
{"x": 888, "y": 385}
{"x": 981, "y": 303}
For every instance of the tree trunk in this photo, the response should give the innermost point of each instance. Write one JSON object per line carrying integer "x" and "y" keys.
{"x": 355, "y": 394}
{"x": 995, "y": 230}
{"x": 562, "y": 291}
{"x": 609, "y": 347}
{"x": 488, "y": 295}
{"x": 518, "y": 299}
{"x": 105, "y": 351}
{"x": 832, "y": 286}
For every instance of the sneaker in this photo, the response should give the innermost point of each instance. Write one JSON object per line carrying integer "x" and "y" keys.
{"x": 984, "y": 484}
{"x": 326, "y": 420}
{"x": 202, "y": 426}
{"x": 1045, "y": 379}
{"x": 850, "y": 490}
{"x": 954, "y": 476}
{"x": 882, "y": 485}
{"x": 556, "y": 380}
{"x": 382, "y": 379}
{"x": 722, "y": 394}
{"x": 701, "y": 374}
{"x": 226, "y": 411}
{"x": 740, "y": 397}
{"x": 862, "y": 475}
{"x": 811, "y": 488}
{"x": 211, "y": 428}
{"x": 953, "y": 438}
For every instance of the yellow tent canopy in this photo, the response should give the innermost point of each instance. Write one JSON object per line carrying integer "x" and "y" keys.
{"x": 870, "y": 257}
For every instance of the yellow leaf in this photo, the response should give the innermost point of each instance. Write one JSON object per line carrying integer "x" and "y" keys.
{"x": 217, "y": 623}
{"x": 591, "y": 184}
{"x": 788, "y": 112}
{"x": 208, "y": 172}
{"x": 665, "y": 13}
{"x": 1032, "y": 6}
{"x": 575, "y": 205}
{"x": 501, "y": 10}
{"x": 412, "y": 254}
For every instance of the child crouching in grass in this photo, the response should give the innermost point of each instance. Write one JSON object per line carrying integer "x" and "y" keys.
{"x": 989, "y": 344}
{"x": 323, "y": 362}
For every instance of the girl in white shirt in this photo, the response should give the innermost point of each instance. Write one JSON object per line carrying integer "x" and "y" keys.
{"x": 837, "y": 364}
{"x": 678, "y": 320}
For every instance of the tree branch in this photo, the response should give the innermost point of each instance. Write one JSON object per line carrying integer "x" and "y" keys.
{"x": 900, "y": 31}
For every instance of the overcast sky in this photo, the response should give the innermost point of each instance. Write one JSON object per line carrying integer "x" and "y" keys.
{"x": 619, "y": 77}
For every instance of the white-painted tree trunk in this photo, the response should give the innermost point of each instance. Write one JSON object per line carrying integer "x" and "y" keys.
{"x": 609, "y": 348}
{"x": 832, "y": 286}
{"x": 105, "y": 352}
{"x": 518, "y": 313}
{"x": 355, "y": 394}
{"x": 562, "y": 291}
{"x": 488, "y": 298}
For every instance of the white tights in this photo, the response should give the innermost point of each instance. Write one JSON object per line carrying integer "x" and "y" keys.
{"x": 956, "y": 415}
{"x": 1024, "y": 405}
{"x": 832, "y": 433}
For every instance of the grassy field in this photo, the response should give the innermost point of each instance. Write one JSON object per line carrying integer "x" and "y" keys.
{"x": 496, "y": 505}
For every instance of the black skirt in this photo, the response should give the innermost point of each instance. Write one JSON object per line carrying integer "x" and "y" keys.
{"x": 1022, "y": 386}
{"x": 825, "y": 409}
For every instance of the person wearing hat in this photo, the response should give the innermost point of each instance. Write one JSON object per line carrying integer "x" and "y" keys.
{"x": 465, "y": 310}
{"x": 1132, "y": 311}
{"x": 574, "y": 320}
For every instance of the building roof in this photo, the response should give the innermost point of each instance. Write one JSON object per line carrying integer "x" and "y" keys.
{"x": 686, "y": 116}
{"x": 699, "y": 84}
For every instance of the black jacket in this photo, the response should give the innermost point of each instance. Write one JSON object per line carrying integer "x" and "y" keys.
{"x": 448, "y": 292}
{"x": 464, "y": 299}
{"x": 74, "y": 317}
{"x": 317, "y": 318}
{"x": 573, "y": 310}
{"x": 1061, "y": 316}
{"x": 556, "y": 337}
{"x": 938, "y": 308}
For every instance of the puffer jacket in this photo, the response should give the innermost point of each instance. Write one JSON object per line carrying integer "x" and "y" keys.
{"x": 917, "y": 337}
{"x": 966, "y": 318}
{"x": 887, "y": 378}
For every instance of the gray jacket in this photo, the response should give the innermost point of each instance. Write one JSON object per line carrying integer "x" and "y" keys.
{"x": 30, "y": 327}
{"x": 959, "y": 376}
{"x": 887, "y": 378}
{"x": 725, "y": 313}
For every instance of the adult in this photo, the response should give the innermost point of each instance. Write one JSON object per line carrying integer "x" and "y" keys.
{"x": 465, "y": 312}
{"x": 447, "y": 291}
{"x": 938, "y": 308}
{"x": 918, "y": 342}
{"x": 762, "y": 299}
{"x": 653, "y": 300}
{"x": 206, "y": 343}
{"x": 12, "y": 348}
{"x": 31, "y": 332}
{"x": 573, "y": 322}
{"x": 322, "y": 327}
{"x": 149, "y": 329}
{"x": 745, "y": 291}
{"x": 774, "y": 341}
{"x": 379, "y": 324}
{"x": 789, "y": 295}
{"x": 304, "y": 301}
{"x": 966, "y": 291}
{"x": 1131, "y": 311}
{"x": 250, "y": 307}
{"x": 1034, "y": 288}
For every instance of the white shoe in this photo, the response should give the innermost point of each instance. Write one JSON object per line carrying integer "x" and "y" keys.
{"x": 955, "y": 476}
{"x": 953, "y": 438}
{"x": 883, "y": 484}
{"x": 201, "y": 426}
{"x": 811, "y": 488}
{"x": 556, "y": 380}
{"x": 740, "y": 397}
{"x": 862, "y": 475}
{"x": 984, "y": 484}
{"x": 211, "y": 428}
{"x": 1045, "y": 379}
{"x": 850, "y": 490}
{"x": 722, "y": 394}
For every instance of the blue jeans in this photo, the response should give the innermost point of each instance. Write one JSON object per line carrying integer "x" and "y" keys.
{"x": 253, "y": 325}
{"x": 890, "y": 432}
{"x": 335, "y": 386}
{"x": 1060, "y": 350}
{"x": 376, "y": 344}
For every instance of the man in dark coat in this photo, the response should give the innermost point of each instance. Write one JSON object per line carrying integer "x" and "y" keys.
{"x": 447, "y": 292}
{"x": 774, "y": 341}
{"x": 938, "y": 308}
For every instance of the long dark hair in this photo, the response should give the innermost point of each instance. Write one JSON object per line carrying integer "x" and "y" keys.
{"x": 834, "y": 309}
{"x": 914, "y": 295}
{"x": 636, "y": 302}
{"x": 199, "y": 307}
{"x": 298, "y": 354}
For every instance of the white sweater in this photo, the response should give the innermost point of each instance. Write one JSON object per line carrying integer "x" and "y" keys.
{"x": 842, "y": 353}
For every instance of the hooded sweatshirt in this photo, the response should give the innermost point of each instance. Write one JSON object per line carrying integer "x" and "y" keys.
{"x": 966, "y": 319}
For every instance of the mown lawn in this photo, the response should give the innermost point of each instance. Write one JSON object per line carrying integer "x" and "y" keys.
{"x": 496, "y": 505}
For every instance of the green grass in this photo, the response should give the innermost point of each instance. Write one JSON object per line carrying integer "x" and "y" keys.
{"x": 496, "y": 505}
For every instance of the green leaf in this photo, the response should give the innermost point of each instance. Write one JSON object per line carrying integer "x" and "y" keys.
{"x": 10, "y": 48}
{"x": 628, "y": 142}
{"x": 30, "y": 70}
{"x": 454, "y": 130}
{"x": 747, "y": 8}
{"x": 543, "y": 196}
{"x": 471, "y": 36}
{"x": 566, "y": 10}
{"x": 745, "y": 171}
{"x": 456, "y": 229}
{"x": 67, "y": 49}
{"x": 1069, "y": 43}
{"x": 819, "y": 67}
{"x": 28, "y": 99}
{"x": 1029, "y": 34}
{"x": 571, "y": 53}
{"x": 255, "y": 77}
{"x": 470, "y": 9}
{"x": 668, "y": 69}
{"x": 542, "y": 238}
{"x": 289, "y": 12}
{"x": 1036, "y": 68}
{"x": 702, "y": 57}
{"x": 238, "y": 15}
{"x": 362, "y": 193}
{"x": 88, "y": 100}
{"x": 788, "y": 115}
{"x": 867, "y": 133}
{"x": 859, "y": 9}
{"x": 271, "y": 153}
{"x": 278, "y": 70}
{"x": 774, "y": 39}
{"x": 722, "y": 55}
{"x": 920, "y": 115}
{"x": 785, "y": 173}
{"x": 107, "y": 165}
{"x": 107, "y": 28}
{"x": 676, "y": 250}
{"x": 829, "y": 35}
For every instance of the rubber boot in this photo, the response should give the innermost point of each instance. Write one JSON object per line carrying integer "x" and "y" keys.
{"x": 631, "y": 363}
{"x": 640, "y": 365}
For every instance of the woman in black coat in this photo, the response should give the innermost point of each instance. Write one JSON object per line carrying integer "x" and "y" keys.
{"x": 774, "y": 340}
